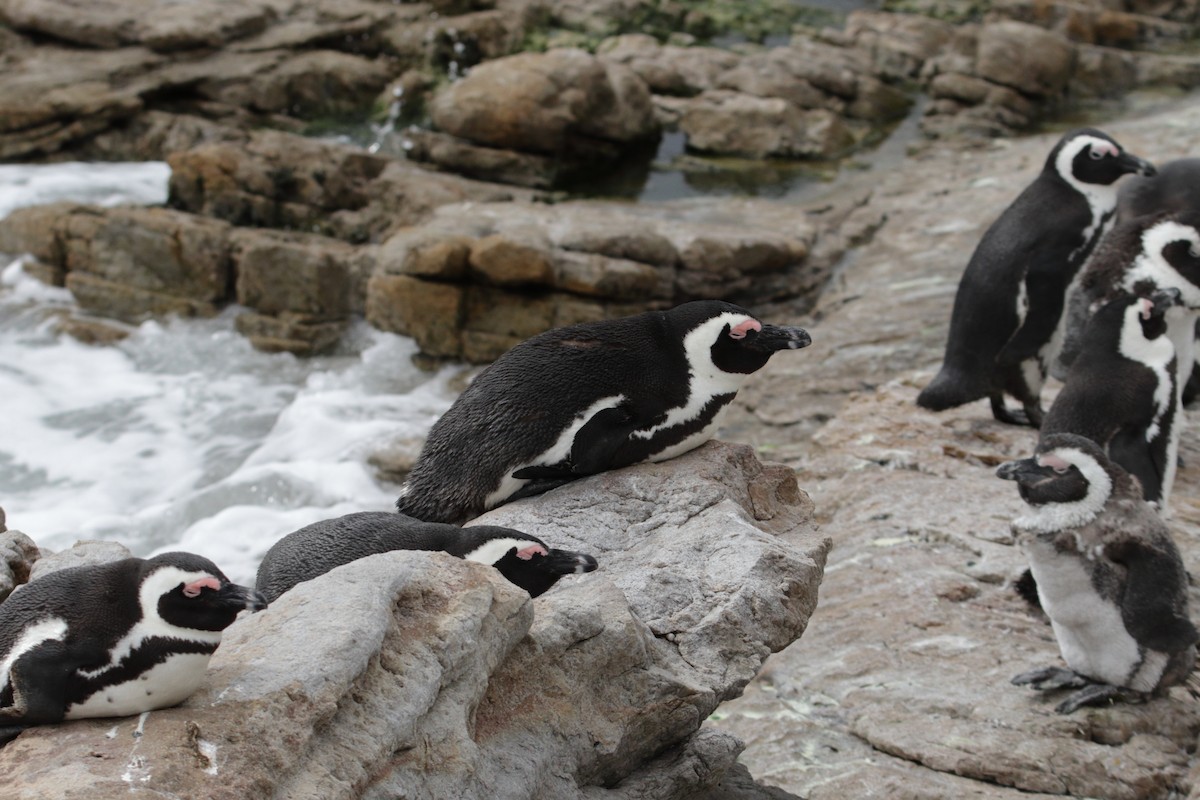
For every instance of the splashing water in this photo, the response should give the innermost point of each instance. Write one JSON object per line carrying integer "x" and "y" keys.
{"x": 183, "y": 436}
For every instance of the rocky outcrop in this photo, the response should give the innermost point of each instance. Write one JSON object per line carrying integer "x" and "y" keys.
{"x": 421, "y": 675}
{"x": 18, "y": 554}
{"x": 538, "y": 119}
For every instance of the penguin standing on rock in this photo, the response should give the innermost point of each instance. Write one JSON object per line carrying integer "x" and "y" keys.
{"x": 316, "y": 549}
{"x": 1108, "y": 575}
{"x": 1010, "y": 300}
{"x": 109, "y": 640}
{"x": 587, "y": 398}
{"x": 1121, "y": 391}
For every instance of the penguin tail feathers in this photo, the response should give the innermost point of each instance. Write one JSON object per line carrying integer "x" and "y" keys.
{"x": 950, "y": 388}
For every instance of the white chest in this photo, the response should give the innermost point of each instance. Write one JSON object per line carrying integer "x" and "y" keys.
{"x": 162, "y": 686}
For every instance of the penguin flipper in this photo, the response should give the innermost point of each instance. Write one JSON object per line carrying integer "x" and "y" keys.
{"x": 1129, "y": 449}
{"x": 538, "y": 486}
{"x": 1046, "y": 295}
{"x": 1150, "y": 605}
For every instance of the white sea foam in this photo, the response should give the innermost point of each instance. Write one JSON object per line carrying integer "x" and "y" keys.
{"x": 184, "y": 437}
{"x": 105, "y": 184}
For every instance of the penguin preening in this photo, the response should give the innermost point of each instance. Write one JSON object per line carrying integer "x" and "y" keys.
{"x": 112, "y": 639}
{"x": 1009, "y": 303}
{"x": 1108, "y": 575}
{"x": 587, "y": 398}
{"x": 316, "y": 549}
{"x": 1121, "y": 392}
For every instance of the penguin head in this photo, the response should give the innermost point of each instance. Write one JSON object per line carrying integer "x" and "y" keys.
{"x": 730, "y": 337}
{"x": 1150, "y": 312}
{"x": 1066, "y": 482}
{"x": 1167, "y": 256}
{"x": 523, "y": 559}
{"x": 1088, "y": 157}
{"x": 188, "y": 591}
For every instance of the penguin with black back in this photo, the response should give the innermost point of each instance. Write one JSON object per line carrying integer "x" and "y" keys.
{"x": 1121, "y": 391}
{"x": 1108, "y": 574}
{"x": 586, "y": 398}
{"x": 113, "y": 639}
{"x": 1009, "y": 303}
{"x": 316, "y": 549}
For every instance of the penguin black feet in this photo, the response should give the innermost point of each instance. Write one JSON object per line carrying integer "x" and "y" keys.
{"x": 10, "y": 732}
{"x": 1030, "y": 415}
{"x": 1090, "y": 693}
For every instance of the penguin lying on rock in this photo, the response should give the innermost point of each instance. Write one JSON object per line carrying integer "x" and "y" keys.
{"x": 1121, "y": 391}
{"x": 109, "y": 640}
{"x": 316, "y": 549}
{"x": 1010, "y": 300}
{"x": 1108, "y": 575}
{"x": 587, "y": 398}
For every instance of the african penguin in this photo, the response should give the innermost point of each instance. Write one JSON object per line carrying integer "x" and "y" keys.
{"x": 316, "y": 549}
{"x": 587, "y": 398}
{"x": 1121, "y": 392}
{"x": 113, "y": 639}
{"x": 1005, "y": 325}
{"x": 1108, "y": 575}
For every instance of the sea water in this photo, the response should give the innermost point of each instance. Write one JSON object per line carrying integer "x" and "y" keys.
{"x": 183, "y": 436}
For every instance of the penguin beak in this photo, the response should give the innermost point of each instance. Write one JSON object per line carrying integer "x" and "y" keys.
{"x": 777, "y": 337}
{"x": 564, "y": 562}
{"x": 1131, "y": 163}
{"x": 233, "y": 596}
{"x": 1166, "y": 298}
{"x": 1026, "y": 470}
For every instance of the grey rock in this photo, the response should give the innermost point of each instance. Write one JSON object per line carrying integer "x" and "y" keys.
{"x": 18, "y": 553}
{"x": 420, "y": 675}
{"x": 82, "y": 553}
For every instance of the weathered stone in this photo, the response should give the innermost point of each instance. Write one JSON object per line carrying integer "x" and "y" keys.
{"x": 733, "y": 123}
{"x": 1024, "y": 57}
{"x": 93, "y": 330}
{"x": 290, "y": 272}
{"x": 550, "y": 103}
{"x": 429, "y": 312}
{"x": 18, "y": 553}
{"x": 289, "y": 332}
{"x": 425, "y": 254}
{"x": 595, "y": 275}
{"x": 81, "y": 554}
{"x": 495, "y": 320}
{"x": 484, "y": 163}
{"x": 113, "y": 23}
{"x": 503, "y": 262}
{"x": 681, "y": 71}
{"x": 37, "y": 230}
{"x": 130, "y": 304}
{"x": 602, "y": 692}
{"x": 898, "y": 45}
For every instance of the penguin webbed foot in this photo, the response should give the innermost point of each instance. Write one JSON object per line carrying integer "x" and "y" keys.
{"x": 1030, "y": 416}
{"x": 539, "y": 486}
{"x": 1047, "y": 679}
{"x": 1091, "y": 693}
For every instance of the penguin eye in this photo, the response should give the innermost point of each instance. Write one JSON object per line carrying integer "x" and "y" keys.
{"x": 1194, "y": 250}
{"x": 1095, "y": 154}
{"x": 1061, "y": 470}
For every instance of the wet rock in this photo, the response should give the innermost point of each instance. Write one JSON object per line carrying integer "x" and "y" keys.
{"x": 302, "y": 273}
{"x": 290, "y": 332}
{"x": 567, "y": 107}
{"x": 596, "y": 689}
{"x": 757, "y": 127}
{"x": 667, "y": 69}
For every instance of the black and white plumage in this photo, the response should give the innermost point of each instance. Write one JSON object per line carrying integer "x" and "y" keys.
{"x": 1005, "y": 326}
{"x": 1121, "y": 391}
{"x": 1153, "y": 252}
{"x": 316, "y": 549}
{"x": 1108, "y": 575}
{"x": 112, "y": 639}
{"x": 587, "y": 398}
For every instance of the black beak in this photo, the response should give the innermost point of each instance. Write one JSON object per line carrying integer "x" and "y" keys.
{"x": 1162, "y": 299}
{"x": 234, "y": 596}
{"x": 778, "y": 337}
{"x": 1131, "y": 163}
{"x": 564, "y": 562}
{"x": 1021, "y": 471}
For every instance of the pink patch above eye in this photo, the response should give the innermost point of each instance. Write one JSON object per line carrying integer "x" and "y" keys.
{"x": 1147, "y": 307}
{"x": 193, "y": 589}
{"x": 740, "y": 331}
{"x": 531, "y": 551}
{"x": 1054, "y": 462}
{"x": 1105, "y": 149}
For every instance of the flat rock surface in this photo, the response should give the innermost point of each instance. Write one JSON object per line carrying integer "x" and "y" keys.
{"x": 900, "y": 688}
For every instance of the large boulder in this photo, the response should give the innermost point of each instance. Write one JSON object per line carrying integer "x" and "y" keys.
{"x": 565, "y": 111}
{"x": 420, "y": 675}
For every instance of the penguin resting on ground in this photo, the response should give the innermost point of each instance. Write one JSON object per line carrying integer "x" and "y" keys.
{"x": 587, "y": 398}
{"x": 316, "y": 549}
{"x": 1108, "y": 575}
{"x": 1010, "y": 300}
{"x": 1121, "y": 391}
{"x": 109, "y": 640}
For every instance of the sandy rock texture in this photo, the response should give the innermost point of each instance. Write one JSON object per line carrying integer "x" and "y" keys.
{"x": 901, "y": 686}
{"x": 420, "y": 675}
